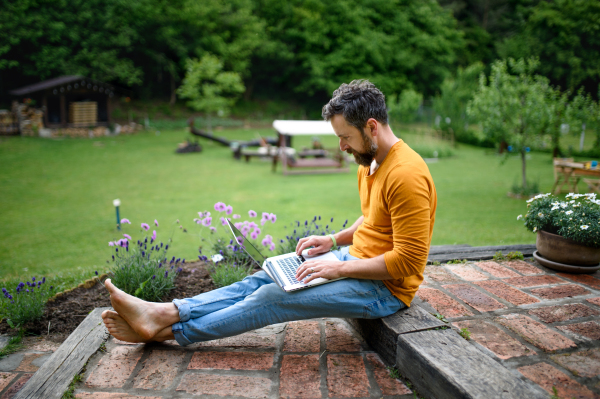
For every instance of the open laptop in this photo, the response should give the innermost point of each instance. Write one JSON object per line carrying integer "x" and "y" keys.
{"x": 281, "y": 268}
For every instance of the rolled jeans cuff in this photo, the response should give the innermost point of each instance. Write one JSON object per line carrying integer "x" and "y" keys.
{"x": 179, "y": 335}
{"x": 184, "y": 309}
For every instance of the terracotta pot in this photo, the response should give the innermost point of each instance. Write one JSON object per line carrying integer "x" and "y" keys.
{"x": 564, "y": 250}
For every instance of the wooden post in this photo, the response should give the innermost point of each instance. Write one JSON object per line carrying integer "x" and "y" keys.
{"x": 63, "y": 111}
{"x": 108, "y": 110}
{"x": 45, "y": 104}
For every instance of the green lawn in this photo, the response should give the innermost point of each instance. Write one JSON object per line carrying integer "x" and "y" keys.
{"x": 57, "y": 214}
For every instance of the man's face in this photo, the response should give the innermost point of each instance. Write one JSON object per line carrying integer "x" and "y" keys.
{"x": 354, "y": 141}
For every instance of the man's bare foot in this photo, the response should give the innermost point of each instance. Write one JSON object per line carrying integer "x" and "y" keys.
{"x": 118, "y": 328}
{"x": 146, "y": 318}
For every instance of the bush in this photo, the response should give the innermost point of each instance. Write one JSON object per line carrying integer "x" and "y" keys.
{"x": 26, "y": 303}
{"x": 427, "y": 151}
{"x": 142, "y": 272}
{"x": 225, "y": 273}
{"x": 299, "y": 230}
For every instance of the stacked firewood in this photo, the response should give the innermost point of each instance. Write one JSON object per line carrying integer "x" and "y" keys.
{"x": 30, "y": 120}
{"x": 8, "y": 122}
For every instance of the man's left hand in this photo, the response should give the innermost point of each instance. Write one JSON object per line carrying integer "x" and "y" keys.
{"x": 313, "y": 269}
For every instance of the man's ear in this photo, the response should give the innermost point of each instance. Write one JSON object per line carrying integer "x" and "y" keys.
{"x": 373, "y": 126}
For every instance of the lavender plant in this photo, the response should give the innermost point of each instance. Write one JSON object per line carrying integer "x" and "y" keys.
{"x": 298, "y": 230}
{"x": 143, "y": 269}
{"x": 26, "y": 303}
{"x": 577, "y": 217}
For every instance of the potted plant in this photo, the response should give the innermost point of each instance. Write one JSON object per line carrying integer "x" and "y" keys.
{"x": 568, "y": 231}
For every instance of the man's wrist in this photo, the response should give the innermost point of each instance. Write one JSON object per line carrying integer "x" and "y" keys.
{"x": 333, "y": 239}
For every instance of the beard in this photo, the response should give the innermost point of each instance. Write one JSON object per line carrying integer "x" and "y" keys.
{"x": 365, "y": 158}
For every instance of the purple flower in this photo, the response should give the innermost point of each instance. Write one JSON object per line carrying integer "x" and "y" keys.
{"x": 272, "y": 218}
{"x": 26, "y": 290}
{"x": 153, "y": 235}
{"x": 263, "y": 221}
{"x": 245, "y": 230}
{"x": 179, "y": 270}
{"x": 272, "y": 247}
{"x": 240, "y": 240}
{"x": 145, "y": 226}
{"x": 213, "y": 229}
{"x": 257, "y": 230}
{"x": 236, "y": 216}
{"x": 33, "y": 279}
{"x": 156, "y": 222}
{"x": 252, "y": 214}
{"x": 223, "y": 221}
{"x": 229, "y": 209}
{"x": 206, "y": 221}
{"x": 238, "y": 225}
{"x": 125, "y": 221}
{"x": 96, "y": 272}
{"x": 265, "y": 242}
{"x": 265, "y": 215}
{"x": 153, "y": 276}
{"x": 220, "y": 207}
{"x": 166, "y": 273}
{"x": 254, "y": 235}
{"x": 111, "y": 244}
{"x": 122, "y": 242}
{"x": 252, "y": 225}
{"x": 127, "y": 236}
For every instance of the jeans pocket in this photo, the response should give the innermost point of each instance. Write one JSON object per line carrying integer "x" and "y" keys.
{"x": 382, "y": 307}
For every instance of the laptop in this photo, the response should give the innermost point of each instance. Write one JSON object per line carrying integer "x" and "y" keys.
{"x": 282, "y": 268}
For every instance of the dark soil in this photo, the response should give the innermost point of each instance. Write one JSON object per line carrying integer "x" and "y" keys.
{"x": 63, "y": 315}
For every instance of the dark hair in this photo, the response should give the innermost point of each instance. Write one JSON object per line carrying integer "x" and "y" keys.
{"x": 357, "y": 102}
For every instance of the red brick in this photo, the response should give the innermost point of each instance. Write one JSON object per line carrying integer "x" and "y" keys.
{"x": 160, "y": 369}
{"x": 111, "y": 395}
{"x": 347, "y": 376}
{"x": 548, "y": 377}
{"x": 589, "y": 330}
{"x": 26, "y": 362}
{"x": 441, "y": 275}
{"x": 115, "y": 367}
{"x": 253, "y": 339}
{"x": 300, "y": 377}
{"x": 475, "y": 298}
{"x": 340, "y": 338}
{"x": 467, "y": 272}
{"x": 523, "y": 282}
{"x": 16, "y": 386}
{"x": 506, "y": 292}
{"x": 583, "y": 364}
{"x": 496, "y": 270}
{"x": 595, "y": 301}
{"x": 563, "y": 291}
{"x": 231, "y": 361}
{"x": 443, "y": 303}
{"x": 43, "y": 346}
{"x": 5, "y": 379}
{"x": 523, "y": 267}
{"x": 583, "y": 279}
{"x": 387, "y": 384}
{"x": 486, "y": 334}
{"x": 225, "y": 385}
{"x": 536, "y": 333}
{"x": 553, "y": 314}
{"x": 302, "y": 336}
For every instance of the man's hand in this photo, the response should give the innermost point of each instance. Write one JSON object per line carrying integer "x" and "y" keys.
{"x": 319, "y": 268}
{"x": 321, "y": 245}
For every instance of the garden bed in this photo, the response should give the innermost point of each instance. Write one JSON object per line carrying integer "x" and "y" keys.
{"x": 63, "y": 314}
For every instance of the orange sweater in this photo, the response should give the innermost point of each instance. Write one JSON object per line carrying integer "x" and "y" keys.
{"x": 398, "y": 202}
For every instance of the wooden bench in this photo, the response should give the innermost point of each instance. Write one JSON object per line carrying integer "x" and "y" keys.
{"x": 593, "y": 185}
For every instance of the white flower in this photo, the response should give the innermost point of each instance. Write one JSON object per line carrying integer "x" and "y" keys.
{"x": 534, "y": 229}
{"x": 541, "y": 214}
{"x": 519, "y": 217}
{"x": 554, "y": 208}
{"x": 570, "y": 195}
{"x": 564, "y": 205}
{"x": 572, "y": 202}
{"x": 568, "y": 212}
{"x": 216, "y": 258}
{"x": 585, "y": 227}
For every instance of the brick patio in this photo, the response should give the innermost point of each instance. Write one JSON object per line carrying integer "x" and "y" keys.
{"x": 537, "y": 322}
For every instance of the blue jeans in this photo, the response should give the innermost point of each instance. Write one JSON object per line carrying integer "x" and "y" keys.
{"x": 257, "y": 301}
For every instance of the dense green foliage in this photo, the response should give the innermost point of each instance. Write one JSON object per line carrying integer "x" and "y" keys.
{"x": 25, "y": 303}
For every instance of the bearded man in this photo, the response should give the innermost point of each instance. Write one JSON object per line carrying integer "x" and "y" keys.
{"x": 383, "y": 255}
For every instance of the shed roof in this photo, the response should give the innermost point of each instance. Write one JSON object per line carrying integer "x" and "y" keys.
{"x": 56, "y": 82}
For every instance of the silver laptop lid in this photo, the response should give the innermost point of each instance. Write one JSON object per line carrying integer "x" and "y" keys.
{"x": 246, "y": 244}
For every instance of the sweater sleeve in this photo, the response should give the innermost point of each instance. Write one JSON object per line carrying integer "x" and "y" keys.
{"x": 408, "y": 196}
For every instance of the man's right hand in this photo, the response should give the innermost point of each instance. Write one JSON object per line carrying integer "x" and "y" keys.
{"x": 321, "y": 245}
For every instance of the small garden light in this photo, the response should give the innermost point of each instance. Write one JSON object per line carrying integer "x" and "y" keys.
{"x": 116, "y": 203}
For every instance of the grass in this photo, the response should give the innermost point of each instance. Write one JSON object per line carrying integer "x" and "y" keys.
{"x": 57, "y": 214}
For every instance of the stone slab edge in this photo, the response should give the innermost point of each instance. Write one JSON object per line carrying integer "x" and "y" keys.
{"x": 476, "y": 253}
{"x": 53, "y": 378}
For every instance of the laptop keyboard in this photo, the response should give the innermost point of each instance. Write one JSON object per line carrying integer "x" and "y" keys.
{"x": 289, "y": 267}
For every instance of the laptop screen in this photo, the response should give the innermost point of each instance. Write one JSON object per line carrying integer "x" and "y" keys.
{"x": 246, "y": 244}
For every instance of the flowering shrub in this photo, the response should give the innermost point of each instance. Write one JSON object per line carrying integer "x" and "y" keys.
{"x": 230, "y": 261}
{"x": 142, "y": 269}
{"x": 300, "y": 230}
{"x": 577, "y": 217}
{"x": 26, "y": 303}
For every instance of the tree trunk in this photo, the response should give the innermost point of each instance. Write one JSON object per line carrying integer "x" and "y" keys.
{"x": 582, "y": 138}
{"x": 523, "y": 169}
{"x": 173, "y": 91}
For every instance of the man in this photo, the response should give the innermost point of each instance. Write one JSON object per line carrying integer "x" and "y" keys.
{"x": 388, "y": 246}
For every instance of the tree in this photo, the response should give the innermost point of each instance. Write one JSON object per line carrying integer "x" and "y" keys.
{"x": 403, "y": 108}
{"x": 581, "y": 111}
{"x": 513, "y": 107}
{"x": 208, "y": 88}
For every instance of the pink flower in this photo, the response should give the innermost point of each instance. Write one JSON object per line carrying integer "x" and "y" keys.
{"x": 265, "y": 242}
{"x": 252, "y": 225}
{"x": 122, "y": 242}
{"x": 254, "y": 235}
{"x": 145, "y": 226}
{"x": 207, "y": 213}
{"x": 156, "y": 222}
{"x": 229, "y": 209}
{"x": 263, "y": 221}
{"x": 219, "y": 207}
{"x": 213, "y": 229}
{"x": 245, "y": 230}
{"x": 257, "y": 230}
{"x": 272, "y": 218}
{"x": 206, "y": 221}
{"x": 238, "y": 225}
{"x": 237, "y": 216}
{"x": 265, "y": 215}
{"x": 240, "y": 240}
{"x": 197, "y": 221}
{"x": 272, "y": 247}
{"x": 111, "y": 244}
{"x": 252, "y": 214}
{"x": 153, "y": 235}
{"x": 223, "y": 221}
{"x": 127, "y": 236}
{"x": 125, "y": 221}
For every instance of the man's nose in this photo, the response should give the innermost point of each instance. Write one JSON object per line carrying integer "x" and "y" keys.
{"x": 343, "y": 146}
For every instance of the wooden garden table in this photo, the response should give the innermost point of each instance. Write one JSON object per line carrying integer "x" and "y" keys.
{"x": 567, "y": 172}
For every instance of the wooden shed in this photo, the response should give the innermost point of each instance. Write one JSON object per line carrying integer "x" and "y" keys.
{"x": 71, "y": 101}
